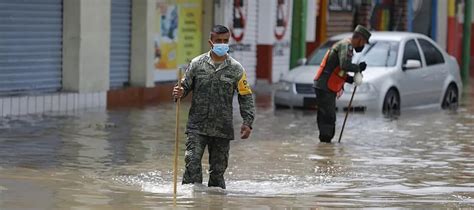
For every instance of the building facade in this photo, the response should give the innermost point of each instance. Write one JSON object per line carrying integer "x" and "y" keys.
{"x": 69, "y": 55}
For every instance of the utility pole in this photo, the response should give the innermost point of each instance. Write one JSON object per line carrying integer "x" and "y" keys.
{"x": 466, "y": 41}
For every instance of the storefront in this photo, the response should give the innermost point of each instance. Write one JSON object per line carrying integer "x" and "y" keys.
{"x": 276, "y": 24}
{"x": 282, "y": 38}
{"x": 30, "y": 46}
{"x": 241, "y": 18}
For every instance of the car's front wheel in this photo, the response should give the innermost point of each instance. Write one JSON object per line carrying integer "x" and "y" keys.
{"x": 450, "y": 99}
{"x": 391, "y": 103}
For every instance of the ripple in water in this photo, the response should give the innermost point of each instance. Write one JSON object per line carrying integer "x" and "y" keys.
{"x": 275, "y": 186}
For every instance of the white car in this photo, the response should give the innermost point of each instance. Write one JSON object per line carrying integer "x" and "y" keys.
{"x": 403, "y": 70}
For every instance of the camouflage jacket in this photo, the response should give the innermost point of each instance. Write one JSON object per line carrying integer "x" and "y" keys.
{"x": 213, "y": 93}
{"x": 340, "y": 54}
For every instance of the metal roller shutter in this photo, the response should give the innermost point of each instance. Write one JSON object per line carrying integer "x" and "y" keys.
{"x": 30, "y": 46}
{"x": 120, "y": 43}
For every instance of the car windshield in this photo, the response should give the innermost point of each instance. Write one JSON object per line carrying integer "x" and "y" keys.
{"x": 317, "y": 57}
{"x": 377, "y": 53}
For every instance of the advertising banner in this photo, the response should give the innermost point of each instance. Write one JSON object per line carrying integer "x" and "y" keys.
{"x": 177, "y": 36}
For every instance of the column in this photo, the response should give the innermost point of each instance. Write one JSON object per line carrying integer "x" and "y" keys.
{"x": 143, "y": 28}
{"x": 86, "y": 45}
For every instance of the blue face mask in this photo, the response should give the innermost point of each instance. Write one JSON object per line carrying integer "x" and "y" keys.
{"x": 220, "y": 49}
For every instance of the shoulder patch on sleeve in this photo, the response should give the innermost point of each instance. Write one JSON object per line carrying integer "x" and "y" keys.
{"x": 243, "y": 86}
{"x": 349, "y": 51}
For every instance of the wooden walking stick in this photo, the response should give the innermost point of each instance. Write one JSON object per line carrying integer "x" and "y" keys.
{"x": 347, "y": 113}
{"x": 176, "y": 145}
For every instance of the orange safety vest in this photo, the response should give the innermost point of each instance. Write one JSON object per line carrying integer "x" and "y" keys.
{"x": 336, "y": 79}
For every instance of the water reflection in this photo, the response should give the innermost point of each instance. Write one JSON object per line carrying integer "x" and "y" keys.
{"x": 122, "y": 159}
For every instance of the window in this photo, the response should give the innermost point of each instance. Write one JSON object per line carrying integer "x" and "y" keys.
{"x": 317, "y": 57}
{"x": 432, "y": 55}
{"x": 411, "y": 52}
{"x": 381, "y": 53}
{"x": 340, "y": 5}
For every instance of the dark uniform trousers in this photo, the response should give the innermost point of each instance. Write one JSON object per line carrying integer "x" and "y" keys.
{"x": 218, "y": 149}
{"x": 326, "y": 104}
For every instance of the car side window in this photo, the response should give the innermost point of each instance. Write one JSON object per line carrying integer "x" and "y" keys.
{"x": 411, "y": 52}
{"x": 432, "y": 55}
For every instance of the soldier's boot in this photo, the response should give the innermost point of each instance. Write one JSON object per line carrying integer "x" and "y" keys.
{"x": 216, "y": 179}
{"x": 218, "y": 159}
{"x": 193, "y": 172}
{"x": 192, "y": 175}
{"x": 327, "y": 127}
{"x": 326, "y": 118}
{"x": 192, "y": 157}
{"x": 325, "y": 139}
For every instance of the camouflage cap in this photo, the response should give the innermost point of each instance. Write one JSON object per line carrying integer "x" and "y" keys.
{"x": 363, "y": 31}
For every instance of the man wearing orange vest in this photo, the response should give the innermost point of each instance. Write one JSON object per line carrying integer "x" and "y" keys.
{"x": 331, "y": 76}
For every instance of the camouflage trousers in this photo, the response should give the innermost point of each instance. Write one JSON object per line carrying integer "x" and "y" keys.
{"x": 218, "y": 149}
{"x": 326, "y": 103}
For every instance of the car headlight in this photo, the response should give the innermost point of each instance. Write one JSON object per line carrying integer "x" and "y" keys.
{"x": 284, "y": 86}
{"x": 363, "y": 88}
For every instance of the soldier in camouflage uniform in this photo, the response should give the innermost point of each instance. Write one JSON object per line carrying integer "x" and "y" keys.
{"x": 331, "y": 76}
{"x": 213, "y": 78}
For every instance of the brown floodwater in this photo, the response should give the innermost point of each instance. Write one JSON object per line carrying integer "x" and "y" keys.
{"x": 123, "y": 159}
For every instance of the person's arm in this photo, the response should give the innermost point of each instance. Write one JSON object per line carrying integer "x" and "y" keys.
{"x": 345, "y": 58}
{"x": 246, "y": 105}
{"x": 187, "y": 81}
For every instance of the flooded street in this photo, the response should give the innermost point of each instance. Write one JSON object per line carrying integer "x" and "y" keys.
{"x": 123, "y": 159}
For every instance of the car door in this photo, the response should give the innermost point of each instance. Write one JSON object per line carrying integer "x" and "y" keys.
{"x": 412, "y": 90}
{"x": 436, "y": 68}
